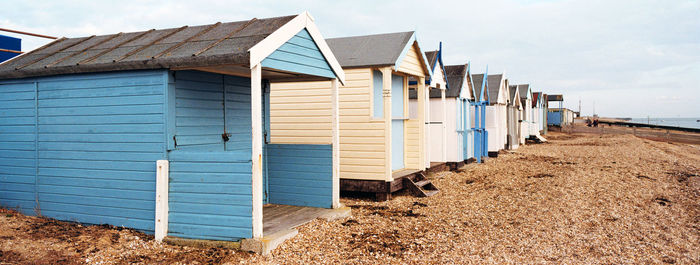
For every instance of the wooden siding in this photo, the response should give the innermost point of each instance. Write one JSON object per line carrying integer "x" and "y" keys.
{"x": 412, "y": 141}
{"x": 300, "y": 55}
{"x": 238, "y": 120}
{"x": 300, "y": 113}
{"x": 361, "y": 136}
{"x": 300, "y": 175}
{"x": 200, "y": 119}
{"x": 412, "y": 63}
{"x": 455, "y": 138}
{"x": 210, "y": 195}
{"x": 18, "y": 146}
{"x": 97, "y": 141}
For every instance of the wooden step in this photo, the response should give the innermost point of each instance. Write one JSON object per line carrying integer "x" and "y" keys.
{"x": 420, "y": 186}
{"x": 431, "y": 193}
{"x": 422, "y": 183}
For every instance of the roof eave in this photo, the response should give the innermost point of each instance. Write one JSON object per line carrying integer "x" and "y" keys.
{"x": 272, "y": 42}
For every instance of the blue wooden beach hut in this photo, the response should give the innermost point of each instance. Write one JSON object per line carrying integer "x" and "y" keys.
{"x": 84, "y": 120}
{"x": 481, "y": 100}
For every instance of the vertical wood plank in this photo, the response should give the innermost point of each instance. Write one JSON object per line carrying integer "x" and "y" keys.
{"x": 444, "y": 125}
{"x": 161, "y": 218}
{"x": 421, "y": 122}
{"x": 257, "y": 181}
{"x": 335, "y": 139}
{"x": 386, "y": 94}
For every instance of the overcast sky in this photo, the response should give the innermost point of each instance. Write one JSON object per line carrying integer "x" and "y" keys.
{"x": 632, "y": 58}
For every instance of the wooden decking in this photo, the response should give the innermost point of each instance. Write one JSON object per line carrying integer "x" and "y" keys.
{"x": 278, "y": 217}
{"x": 403, "y": 173}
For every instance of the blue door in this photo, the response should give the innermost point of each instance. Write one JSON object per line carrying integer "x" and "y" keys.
{"x": 397, "y": 114}
{"x": 477, "y": 134}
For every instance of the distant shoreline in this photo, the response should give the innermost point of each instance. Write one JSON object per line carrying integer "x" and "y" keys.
{"x": 664, "y": 123}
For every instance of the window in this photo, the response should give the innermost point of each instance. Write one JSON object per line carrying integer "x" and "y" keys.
{"x": 377, "y": 99}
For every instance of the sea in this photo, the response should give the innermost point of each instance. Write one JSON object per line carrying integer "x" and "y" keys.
{"x": 678, "y": 122}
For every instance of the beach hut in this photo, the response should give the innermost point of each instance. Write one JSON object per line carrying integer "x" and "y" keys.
{"x": 560, "y": 117}
{"x": 545, "y": 106}
{"x": 382, "y": 148}
{"x": 526, "y": 115}
{"x": 481, "y": 100}
{"x": 460, "y": 96}
{"x": 539, "y": 113}
{"x": 514, "y": 119}
{"x": 497, "y": 113}
{"x": 166, "y": 131}
{"x": 435, "y": 113}
{"x": 555, "y": 116}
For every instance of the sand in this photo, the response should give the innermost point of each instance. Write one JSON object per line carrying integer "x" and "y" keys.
{"x": 577, "y": 199}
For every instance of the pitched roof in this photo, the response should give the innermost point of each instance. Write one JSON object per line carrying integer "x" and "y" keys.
{"x": 512, "y": 89}
{"x": 478, "y": 80}
{"x": 196, "y": 46}
{"x": 369, "y": 50}
{"x": 432, "y": 58}
{"x": 455, "y": 78}
{"x": 536, "y": 98}
{"x": 494, "y": 85}
{"x": 523, "y": 90}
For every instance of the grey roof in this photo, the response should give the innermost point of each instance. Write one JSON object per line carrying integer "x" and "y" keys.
{"x": 206, "y": 45}
{"x": 478, "y": 80}
{"x": 559, "y": 97}
{"x": 432, "y": 58}
{"x": 494, "y": 83}
{"x": 523, "y": 90}
{"x": 512, "y": 89}
{"x": 369, "y": 50}
{"x": 455, "y": 78}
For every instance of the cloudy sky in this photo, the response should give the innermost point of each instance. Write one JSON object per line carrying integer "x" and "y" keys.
{"x": 633, "y": 58}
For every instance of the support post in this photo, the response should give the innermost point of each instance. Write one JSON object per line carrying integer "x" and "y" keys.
{"x": 162, "y": 176}
{"x": 427, "y": 125}
{"x": 421, "y": 122}
{"x": 443, "y": 100}
{"x": 256, "y": 156}
{"x": 386, "y": 96}
{"x": 335, "y": 142}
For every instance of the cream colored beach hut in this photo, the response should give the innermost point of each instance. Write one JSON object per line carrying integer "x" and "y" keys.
{"x": 382, "y": 149}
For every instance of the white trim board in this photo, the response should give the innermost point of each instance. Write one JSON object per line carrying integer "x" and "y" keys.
{"x": 273, "y": 41}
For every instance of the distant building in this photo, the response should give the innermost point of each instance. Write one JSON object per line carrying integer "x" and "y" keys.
{"x": 9, "y": 47}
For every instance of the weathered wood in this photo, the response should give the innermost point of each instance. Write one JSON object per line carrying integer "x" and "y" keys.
{"x": 455, "y": 165}
{"x": 278, "y": 217}
{"x": 363, "y": 185}
{"x": 420, "y": 186}
{"x": 382, "y": 196}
